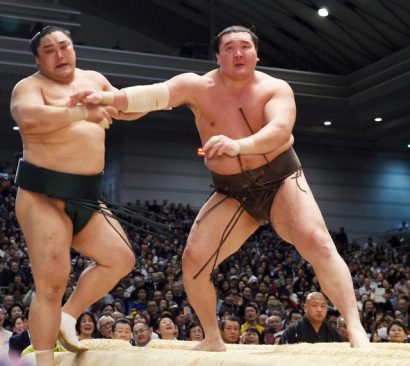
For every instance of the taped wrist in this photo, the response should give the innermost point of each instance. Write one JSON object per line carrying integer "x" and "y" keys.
{"x": 147, "y": 98}
{"x": 246, "y": 145}
{"x": 107, "y": 98}
{"x": 77, "y": 113}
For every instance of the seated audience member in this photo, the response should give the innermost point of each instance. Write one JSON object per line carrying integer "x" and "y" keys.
{"x": 250, "y": 336}
{"x": 121, "y": 329}
{"x": 396, "y": 332}
{"x": 273, "y": 330}
{"x": 195, "y": 332}
{"x": 166, "y": 327}
{"x": 142, "y": 333}
{"x": 19, "y": 341}
{"x": 342, "y": 329}
{"x": 104, "y": 326}
{"x": 86, "y": 326}
{"x": 379, "y": 333}
{"x": 251, "y": 319}
{"x": 4, "y": 333}
{"x": 230, "y": 329}
{"x": 293, "y": 317}
{"x": 18, "y": 325}
{"x": 313, "y": 327}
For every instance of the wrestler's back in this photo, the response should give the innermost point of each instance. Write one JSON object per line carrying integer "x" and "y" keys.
{"x": 218, "y": 113}
{"x": 79, "y": 147}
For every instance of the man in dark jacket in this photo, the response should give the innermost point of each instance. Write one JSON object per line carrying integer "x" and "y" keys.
{"x": 312, "y": 328}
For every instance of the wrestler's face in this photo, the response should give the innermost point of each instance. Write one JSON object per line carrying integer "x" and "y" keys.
{"x": 237, "y": 55}
{"x": 56, "y": 57}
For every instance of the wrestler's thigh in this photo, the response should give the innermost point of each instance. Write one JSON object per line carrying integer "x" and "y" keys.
{"x": 210, "y": 226}
{"x": 295, "y": 214}
{"x": 102, "y": 239}
{"x": 48, "y": 233}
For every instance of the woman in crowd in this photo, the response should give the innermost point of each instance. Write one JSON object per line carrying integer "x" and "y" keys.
{"x": 166, "y": 328}
{"x": 86, "y": 326}
{"x": 396, "y": 332}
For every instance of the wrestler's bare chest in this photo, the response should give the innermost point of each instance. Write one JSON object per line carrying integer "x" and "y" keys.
{"x": 235, "y": 116}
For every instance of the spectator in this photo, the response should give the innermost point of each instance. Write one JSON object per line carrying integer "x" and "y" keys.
{"x": 166, "y": 327}
{"x": 195, "y": 332}
{"x": 19, "y": 341}
{"x": 396, "y": 332}
{"x": 86, "y": 326}
{"x": 230, "y": 329}
{"x": 104, "y": 326}
{"x": 342, "y": 329}
{"x": 121, "y": 329}
{"x": 142, "y": 333}
{"x": 273, "y": 330}
{"x": 251, "y": 319}
{"x": 251, "y": 336}
{"x": 312, "y": 328}
{"x": 4, "y": 333}
{"x": 18, "y": 325}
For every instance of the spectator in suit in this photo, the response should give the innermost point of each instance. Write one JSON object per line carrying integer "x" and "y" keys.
{"x": 313, "y": 327}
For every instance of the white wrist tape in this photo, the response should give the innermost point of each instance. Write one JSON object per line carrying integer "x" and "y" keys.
{"x": 246, "y": 145}
{"x": 77, "y": 113}
{"x": 107, "y": 98}
{"x": 147, "y": 98}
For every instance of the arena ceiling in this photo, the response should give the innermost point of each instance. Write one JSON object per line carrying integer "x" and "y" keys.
{"x": 356, "y": 33}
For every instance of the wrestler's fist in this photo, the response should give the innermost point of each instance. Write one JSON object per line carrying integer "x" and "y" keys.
{"x": 219, "y": 145}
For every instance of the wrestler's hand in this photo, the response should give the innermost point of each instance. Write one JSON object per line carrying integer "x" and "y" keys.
{"x": 100, "y": 114}
{"x": 219, "y": 145}
{"x": 84, "y": 96}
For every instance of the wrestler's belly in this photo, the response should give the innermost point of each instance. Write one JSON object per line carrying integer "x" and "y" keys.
{"x": 77, "y": 149}
{"x": 230, "y": 165}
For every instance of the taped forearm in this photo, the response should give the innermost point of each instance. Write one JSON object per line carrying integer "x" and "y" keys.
{"x": 147, "y": 98}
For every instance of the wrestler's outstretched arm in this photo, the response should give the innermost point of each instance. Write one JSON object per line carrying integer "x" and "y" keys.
{"x": 180, "y": 89}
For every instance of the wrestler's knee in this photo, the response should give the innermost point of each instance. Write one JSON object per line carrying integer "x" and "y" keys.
{"x": 191, "y": 258}
{"x": 318, "y": 245}
{"x": 123, "y": 260}
{"x": 52, "y": 291}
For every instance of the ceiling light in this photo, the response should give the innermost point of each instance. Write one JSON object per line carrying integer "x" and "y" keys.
{"x": 327, "y": 123}
{"x": 408, "y": 146}
{"x": 378, "y": 119}
{"x": 15, "y": 128}
{"x": 323, "y": 12}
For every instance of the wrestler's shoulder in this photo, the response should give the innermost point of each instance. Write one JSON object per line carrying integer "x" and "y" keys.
{"x": 29, "y": 82}
{"x": 195, "y": 81}
{"x": 271, "y": 82}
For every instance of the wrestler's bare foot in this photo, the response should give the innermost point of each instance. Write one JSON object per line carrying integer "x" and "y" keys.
{"x": 210, "y": 345}
{"x": 359, "y": 339}
{"x": 67, "y": 335}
